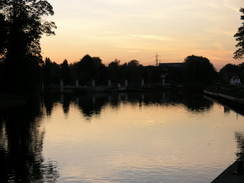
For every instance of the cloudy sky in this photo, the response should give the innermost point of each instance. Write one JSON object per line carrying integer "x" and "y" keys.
{"x": 138, "y": 29}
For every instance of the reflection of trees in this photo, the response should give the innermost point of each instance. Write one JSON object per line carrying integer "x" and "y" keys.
{"x": 65, "y": 99}
{"x": 239, "y": 136}
{"x": 194, "y": 101}
{"x": 49, "y": 99}
{"x": 90, "y": 104}
{"x": 21, "y": 144}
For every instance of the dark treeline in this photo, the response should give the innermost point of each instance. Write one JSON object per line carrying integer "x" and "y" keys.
{"x": 91, "y": 68}
{"x": 194, "y": 69}
{"x": 23, "y": 70}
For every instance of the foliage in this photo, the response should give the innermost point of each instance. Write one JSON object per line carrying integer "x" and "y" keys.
{"x": 114, "y": 70}
{"x": 198, "y": 69}
{"x": 88, "y": 69}
{"x": 65, "y": 72}
{"x": 134, "y": 71}
{"x": 50, "y": 72}
{"x": 21, "y": 29}
{"x": 238, "y": 54}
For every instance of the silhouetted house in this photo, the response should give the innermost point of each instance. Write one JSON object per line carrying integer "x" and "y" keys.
{"x": 235, "y": 80}
{"x": 171, "y": 73}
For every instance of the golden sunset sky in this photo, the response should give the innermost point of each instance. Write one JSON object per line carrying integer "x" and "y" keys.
{"x": 138, "y": 29}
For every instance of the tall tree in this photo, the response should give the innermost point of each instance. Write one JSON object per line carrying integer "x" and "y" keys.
{"x": 50, "y": 72}
{"x": 114, "y": 70}
{"x": 65, "y": 72}
{"x": 3, "y": 34}
{"x": 198, "y": 69}
{"x": 238, "y": 54}
{"x": 134, "y": 71}
{"x": 23, "y": 28}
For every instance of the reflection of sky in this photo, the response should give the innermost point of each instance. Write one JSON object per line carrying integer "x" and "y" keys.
{"x": 137, "y": 29}
{"x": 135, "y": 143}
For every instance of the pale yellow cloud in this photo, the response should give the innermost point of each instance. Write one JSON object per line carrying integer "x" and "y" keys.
{"x": 155, "y": 37}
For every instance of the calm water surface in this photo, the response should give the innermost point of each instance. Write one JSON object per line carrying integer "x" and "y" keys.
{"x": 134, "y": 137}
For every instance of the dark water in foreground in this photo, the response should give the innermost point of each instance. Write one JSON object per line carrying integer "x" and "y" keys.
{"x": 134, "y": 137}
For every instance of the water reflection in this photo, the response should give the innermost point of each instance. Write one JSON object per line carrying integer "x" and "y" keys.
{"x": 92, "y": 104}
{"x": 22, "y": 135}
{"x": 21, "y": 145}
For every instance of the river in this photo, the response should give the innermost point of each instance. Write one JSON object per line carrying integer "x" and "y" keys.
{"x": 119, "y": 137}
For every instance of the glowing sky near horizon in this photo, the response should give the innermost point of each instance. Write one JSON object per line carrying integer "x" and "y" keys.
{"x": 138, "y": 29}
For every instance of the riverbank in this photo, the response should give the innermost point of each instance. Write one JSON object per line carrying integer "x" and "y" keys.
{"x": 8, "y": 100}
{"x": 231, "y": 94}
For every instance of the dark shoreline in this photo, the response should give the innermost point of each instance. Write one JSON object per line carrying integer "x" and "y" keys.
{"x": 230, "y": 175}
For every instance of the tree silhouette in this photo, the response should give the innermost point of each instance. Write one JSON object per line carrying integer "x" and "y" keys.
{"x": 114, "y": 71}
{"x": 65, "y": 72}
{"x": 23, "y": 27}
{"x": 198, "y": 69}
{"x": 50, "y": 72}
{"x": 238, "y": 54}
{"x": 3, "y": 33}
{"x": 89, "y": 68}
{"x": 134, "y": 71}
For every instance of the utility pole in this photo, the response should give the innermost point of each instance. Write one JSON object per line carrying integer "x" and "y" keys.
{"x": 157, "y": 61}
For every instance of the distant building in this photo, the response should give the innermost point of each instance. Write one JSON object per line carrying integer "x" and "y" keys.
{"x": 171, "y": 73}
{"x": 171, "y": 65}
{"x": 235, "y": 80}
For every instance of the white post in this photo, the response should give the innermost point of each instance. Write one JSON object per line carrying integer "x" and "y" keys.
{"x": 142, "y": 97}
{"x": 126, "y": 83}
{"x": 93, "y": 100}
{"x": 77, "y": 83}
{"x": 126, "y": 97}
{"x": 142, "y": 82}
{"x": 93, "y": 83}
{"x": 42, "y": 86}
{"x": 163, "y": 81}
{"x": 109, "y": 83}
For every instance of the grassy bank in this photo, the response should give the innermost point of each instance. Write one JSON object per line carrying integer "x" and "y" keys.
{"x": 229, "y": 90}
